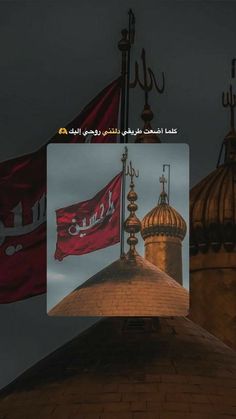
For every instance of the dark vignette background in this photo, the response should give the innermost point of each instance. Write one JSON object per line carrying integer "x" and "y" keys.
{"x": 56, "y": 56}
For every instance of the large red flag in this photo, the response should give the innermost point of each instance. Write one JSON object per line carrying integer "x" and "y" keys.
{"x": 90, "y": 225}
{"x": 22, "y": 227}
{"x": 22, "y": 207}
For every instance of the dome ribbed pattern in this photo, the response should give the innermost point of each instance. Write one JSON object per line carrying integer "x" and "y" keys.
{"x": 213, "y": 210}
{"x": 163, "y": 220}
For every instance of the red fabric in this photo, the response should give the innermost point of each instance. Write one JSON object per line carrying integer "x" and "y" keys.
{"x": 90, "y": 225}
{"x": 23, "y": 230}
{"x": 23, "y": 185}
{"x": 101, "y": 114}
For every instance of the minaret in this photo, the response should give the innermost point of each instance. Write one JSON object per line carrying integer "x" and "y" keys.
{"x": 213, "y": 241}
{"x": 163, "y": 230}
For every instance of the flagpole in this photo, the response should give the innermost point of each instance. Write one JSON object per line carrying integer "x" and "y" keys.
{"x": 122, "y": 238}
{"x": 131, "y": 34}
{"x": 123, "y": 46}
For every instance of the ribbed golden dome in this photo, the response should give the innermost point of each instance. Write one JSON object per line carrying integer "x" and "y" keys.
{"x": 163, "y": 220}
{"x": 213, "y": 205}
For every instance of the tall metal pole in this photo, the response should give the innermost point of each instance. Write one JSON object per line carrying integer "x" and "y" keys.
{"x": 122, "y": 238}
{"x": 233, "y": 68}
{"x": 123, "y": 46}
{"x": 131, "y": 41}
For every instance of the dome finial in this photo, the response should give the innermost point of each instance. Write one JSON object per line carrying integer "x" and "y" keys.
{"x": 132, "y": 223}
{"x": 163, "y": 199}
{"x": 147, "y": 84}
{"x": 229, "y": 101}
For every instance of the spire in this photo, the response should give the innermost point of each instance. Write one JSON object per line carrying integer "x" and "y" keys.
{"x": 132, "y": 223}
{"x": 163, "y": 198}
{"x": 147, "y": 85}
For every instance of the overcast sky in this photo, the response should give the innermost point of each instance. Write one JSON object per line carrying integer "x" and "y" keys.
{"x": 57, "y": 55}
{"x": 76, "y": 172}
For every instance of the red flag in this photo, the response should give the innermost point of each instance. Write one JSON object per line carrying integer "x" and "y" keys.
{"x": 22, "y": 208}
{"x": 100, "y": 114}
{"x": 90, "y": 225}
{"x": 22, "y": 227}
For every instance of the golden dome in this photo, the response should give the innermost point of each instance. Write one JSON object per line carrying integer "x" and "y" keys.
{"x": 213, "y": 199}
{"x": 129, "y": 369}
{"x": 213, "y": 205}
{"x": 163, "y": 219}
{"x": 130, "y": 286}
